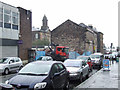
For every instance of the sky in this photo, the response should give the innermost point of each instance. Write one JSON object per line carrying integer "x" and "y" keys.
{"x": 102, "y": 14}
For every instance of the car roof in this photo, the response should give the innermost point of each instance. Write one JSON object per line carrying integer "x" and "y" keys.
{"x": 83, "y": 56}
{"x": 46, "y": 62}
{"x": 10, "y": 57}
{"x": 45, "y": 56}
{"x": 97, "y": 54}
{"x": 74, "y": 60}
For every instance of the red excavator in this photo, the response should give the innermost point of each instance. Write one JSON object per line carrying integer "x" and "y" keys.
{"x": 59, "y": 53}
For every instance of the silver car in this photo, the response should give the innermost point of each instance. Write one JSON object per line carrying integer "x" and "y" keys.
{"x": 97, "y": 59}
{"x": 8, "y": 64}
{"x": 77, "y": 69}
{"x": 45, "y": 58}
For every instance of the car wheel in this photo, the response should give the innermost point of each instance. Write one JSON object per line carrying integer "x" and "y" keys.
{"x": 67, "y": 85}
{"x": 6, "y": 71}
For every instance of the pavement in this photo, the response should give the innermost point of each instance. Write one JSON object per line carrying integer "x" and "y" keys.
{"x": 104, "y": 79}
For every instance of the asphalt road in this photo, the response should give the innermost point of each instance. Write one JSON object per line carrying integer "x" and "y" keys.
{"x": 73, "y": 84}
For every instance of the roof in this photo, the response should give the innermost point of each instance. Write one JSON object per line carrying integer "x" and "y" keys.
{"x": 62, "y": 46}
{"x": 46, "y": 62}
{"x": 97, "y": 54}
{"x": 74, "y": 60}
{"x": 83, "y": 56}
{"x": 67, "y": 22}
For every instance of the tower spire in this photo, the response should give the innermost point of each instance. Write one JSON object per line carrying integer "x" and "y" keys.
{"x": 44, "y": 23}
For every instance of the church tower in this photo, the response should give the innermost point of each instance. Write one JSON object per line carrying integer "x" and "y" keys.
{"x": 44, "y": 26}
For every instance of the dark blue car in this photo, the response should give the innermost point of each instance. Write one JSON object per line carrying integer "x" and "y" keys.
{"x": 41, "y": 75}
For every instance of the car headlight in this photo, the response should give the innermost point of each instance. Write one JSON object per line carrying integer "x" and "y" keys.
{"x": 7, "y": 82}
{"x": 97, "y": 61}
{"x": 40, "y": 85}
{"x": 73, "y": 74}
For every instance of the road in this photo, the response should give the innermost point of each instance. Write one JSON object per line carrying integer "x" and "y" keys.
{"x": 73, "y": 84}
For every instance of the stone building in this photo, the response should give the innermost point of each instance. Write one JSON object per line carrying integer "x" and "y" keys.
{"x": 44, "y": 33}
{"x": 100, "y": 44}
{"x": 78, "y": 37}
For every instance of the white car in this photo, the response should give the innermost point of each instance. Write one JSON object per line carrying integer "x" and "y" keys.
{"x": 8, "y": 64}
{"x": 45, "y": 58}
{"x": 97, "y": 59}
{"x": 77, "y": 69}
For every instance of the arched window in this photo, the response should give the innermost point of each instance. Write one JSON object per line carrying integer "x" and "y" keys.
{"x": 36, "y": 35}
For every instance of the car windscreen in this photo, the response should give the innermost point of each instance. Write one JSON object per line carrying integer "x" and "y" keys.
{"x": 72, "y": 63}
{"x": 66, "y": 50}
{"x": 35, "y": 69}
{"x": 40, "y": 58}
{"x": 95, "y": 56}
{"x": 3, "y": 60}
{"x": 83, "y": 58}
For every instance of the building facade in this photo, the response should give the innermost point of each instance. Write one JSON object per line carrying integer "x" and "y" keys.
{"x": 15, "y": 31}
{"x": 25, "y": 34}
{"x": 78, "y": 37}
{"x": 42, "y": 34}
{"x": 9, "y": 30}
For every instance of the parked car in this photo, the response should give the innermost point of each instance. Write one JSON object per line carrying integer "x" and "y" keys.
{"x": 41, "y": 75}
{"x": 78, "y": 69}
{"x": 8, "y": 64}
{"x": 97, "y": 59}
{"x": 87, "y": 60}
{"x": 45, "y": 58}
{"x": 106, "y": 56}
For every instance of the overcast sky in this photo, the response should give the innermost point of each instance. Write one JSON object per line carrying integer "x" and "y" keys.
{"x": 102, "y": 14}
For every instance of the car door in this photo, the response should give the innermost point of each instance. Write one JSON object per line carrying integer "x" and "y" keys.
{"x": 84, "y": 68}
{"x": 55, "y": 76}
{"x": 17, "y": 63}
{"x": 63, "y": 74}
{"x": 12, "y": 65}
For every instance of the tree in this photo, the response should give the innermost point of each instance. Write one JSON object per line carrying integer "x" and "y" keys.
{"x": 39, "y": 42}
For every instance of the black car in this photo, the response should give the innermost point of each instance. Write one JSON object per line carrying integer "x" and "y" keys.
{"x": 41, "y": 75}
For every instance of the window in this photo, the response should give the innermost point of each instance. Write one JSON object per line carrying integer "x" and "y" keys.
{"x": 54, "y": 69}
{"x": 11, "y": 61}
{"x": 59, "y": 49}
{"x": 7, "y": 18}
{"x": 36, "y": 35}
{"x": 6, "y": 11}
{"x": 15, "y": 20}
{"x": 7, "y": 25}
{"x": 84, "y": 63}
{"x": 15, "y": 27}
{"x": 17, "y": 60}
{"x": 61, "y": 67}
{"x": 1, "y": 24}
{"x": 1, "y": 17}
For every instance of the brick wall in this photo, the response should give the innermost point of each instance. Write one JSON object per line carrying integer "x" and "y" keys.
{"x": 25, "y": 33}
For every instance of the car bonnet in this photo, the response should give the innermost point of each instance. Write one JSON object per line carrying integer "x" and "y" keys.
{"x": 27, "y": 80}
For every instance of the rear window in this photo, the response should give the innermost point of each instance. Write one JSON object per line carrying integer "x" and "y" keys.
{"x": 70, "y": 63}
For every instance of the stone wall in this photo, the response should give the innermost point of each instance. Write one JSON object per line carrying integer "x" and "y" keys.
{"x": 78, "y": 38}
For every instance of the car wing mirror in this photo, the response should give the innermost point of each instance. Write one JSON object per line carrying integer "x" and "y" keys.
{"x": 10, "y": 62}
{"x": 88, "y": 60}
{"x": 82, "y": 66}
